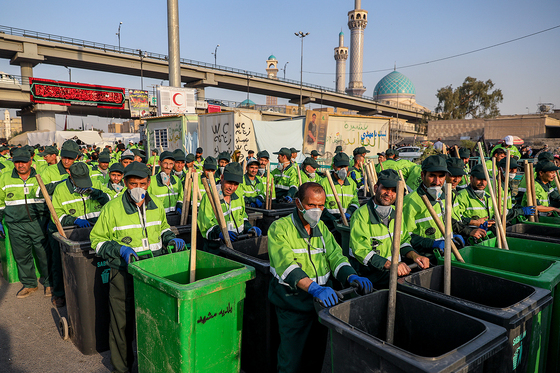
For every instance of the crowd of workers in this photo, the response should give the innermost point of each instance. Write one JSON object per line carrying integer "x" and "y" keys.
{"x": 126, "y": 195}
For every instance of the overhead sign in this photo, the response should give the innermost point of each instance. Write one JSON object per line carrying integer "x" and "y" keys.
{"x": 138, "y": 103}
{"x": 46, "y": 91}
{"x": 175, "y": 100}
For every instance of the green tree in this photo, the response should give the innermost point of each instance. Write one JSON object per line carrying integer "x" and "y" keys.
{"x": 473, "y": 99}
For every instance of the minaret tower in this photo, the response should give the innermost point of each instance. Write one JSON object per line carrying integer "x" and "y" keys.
{"x": 340, "y": 55}
{"x": 357, "y": 22}
{"x": 272, "y": 72}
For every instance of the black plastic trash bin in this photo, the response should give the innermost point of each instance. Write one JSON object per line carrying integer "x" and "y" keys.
{"x": 86, "y": 284}
{"x": 428, "y": 337}
{"x": 523, "y": 310}
{"x": 535, "y": 231}
{"x": 277, "y": 211}
{"x": 260, "y": 338}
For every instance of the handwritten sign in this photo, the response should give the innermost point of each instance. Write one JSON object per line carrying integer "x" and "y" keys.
{"x": 204, "y": 319}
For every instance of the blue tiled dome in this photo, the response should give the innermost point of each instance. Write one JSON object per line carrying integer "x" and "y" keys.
{"x": 246, "y": 103}
{"x": 271, "y": 57}
{"x": 393, "y": 82}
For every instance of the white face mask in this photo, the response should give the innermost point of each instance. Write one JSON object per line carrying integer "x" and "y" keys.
{"x": 222, "y": 170}
{"x": 311, "y": 175}
{"x": 435, "y": 192}
{"x": 117, "y": 187}
{"x": 383, "y": 211}
{"x": 261, "y": 171}
{"x": 137, "y": 194}
{"x": 164, "y": 178}
{"x": 342, "y": 173}
{"x": 312, "y": 216}
{"x": 511, "y": 176}
{"x": 280, "y": 166}
{"x": 479, "y": 193}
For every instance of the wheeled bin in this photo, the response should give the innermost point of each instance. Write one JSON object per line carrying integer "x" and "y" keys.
{"x": 260, "y": 340}
{"x": 189, "y": 327}
{"x": 535, "y": 231}
{"x": 277, "y": 211}
{"x": 428, "y": 337}
{"x": 515, "y": 306}
{"x": 528, "y": 269}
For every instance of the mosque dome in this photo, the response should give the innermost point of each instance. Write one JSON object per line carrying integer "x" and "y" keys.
{"x": 247, "y": 102}
{"x": 272, "y": 57}
{"x": 394, "y": 84}
{"x": 341, "y": 34}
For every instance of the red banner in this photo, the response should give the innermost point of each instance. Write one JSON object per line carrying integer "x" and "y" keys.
{"x": 214, "y": 108}
{"x": 46, "y": 91}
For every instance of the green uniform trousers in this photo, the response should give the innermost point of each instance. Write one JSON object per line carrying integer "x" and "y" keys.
{"x": 55, "y": 262}
{"x": 303, "y": 341}
{"x": 27, "y": 239}
{"x": 122, "y": 322}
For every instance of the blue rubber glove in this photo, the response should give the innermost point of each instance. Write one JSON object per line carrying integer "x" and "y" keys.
{"x": 484, "y": 226}
{"x": 440, "y": 245}
{"x": 364, "y": 284}
{"x": 459, "y": 239}
{"x": 288, "y": 199}
{"x": 257, "y": 231}
{"x": 253, "y": 204}
{"x": 82, "y": 223}
{"x": 2, "y": 231}
{"x": 347, "y": 216}
{"x": 232, "y": 236}
{"x": 178, "y": 243}
{"x": 529, "y": 210}
{"x": 325, "y": 294}
{"x": 258, "y": 203}
{"x": 179, "y": 210}
{"x": 126, "y": 252}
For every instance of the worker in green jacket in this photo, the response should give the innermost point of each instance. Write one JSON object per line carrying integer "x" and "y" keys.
{"x": 522, "y": 188}
{"x": 126, "y": 157}
{"x": 548, "y": 198}
{"x": 23, "y": 215}
{"x": 49, "y": 155}
{"x": 199, "y": 159}
{"x": 465, "y": 155}
{"x": 223, "y": 160}
{"x": 209, "y": 168}
{"x": 345, "y": 189}
{"x": 264, "y": 160}
{"x": 285, "y": 175}
{"x": 356, "y": 171}
{"x": 497, "y": 153}
{"x": 456, "y": 172}
{"x": 508, "y": 144}
{"x": 55, "y": 173}
{"x": 132, "y": 224}
{"x": 371, "y": 230}
{"x": 76, "y": 201}
{"x": 154, "y": 159}
{"x": 304, "y": 258}
{"x": 233, "y": 208}
{"x": 100, "y": 174}
{"x": 252, "y": 187}
{"x": 115, "y": 186}
{"x": 424, "y": 234}
{"x": 180, "y": 161}
{"x": 309, "y": 172}
{"x": 166, "y": 186}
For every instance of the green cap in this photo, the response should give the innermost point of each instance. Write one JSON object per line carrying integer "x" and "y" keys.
{"x": 360, "y": 150}
{"x": 545, "y": 156}
{"x": 154, "y": 150}
{"x": 434, "y": 163}
{"x": 512, "y": 163}
{"x": 546, "y": 166}
{"x": 21, "y": 155}
{"x": 464, "y": 153}
{"x": 116, "y": 167}
{"x": 138, "y": 152}
{"x": 210, "y": 163}
{"x": 341, "y": 160}
{"x": 190, "y": 158}
{"x": 294, "y": 150}
{"x": 137, "y": 169}
{"x": 224, "y": 155}
{"x": 315, "y": 153}
{"x": 233, "y": 172}
{"x": 284, "y": 151}
{"x": 456, "y": 166}
{"x": 127, "y": 154}
{"x": 478, "y": 171}
{"x": 263, "y": 154}
{"x": 104, "y": 158}
{"x": 80, "y": 175}
{"x": 391, "y": 152}
{"x": 166, "y": 155}
{"x": 199, "y": 150}
{"x": 48, "y": 150}
{"x": 388, "y": 178}
{"x": 310, "y": 162}
{"x": 2, "y": 148}
{"x": 179, "y": 155}
{"x": 70, "y": 149}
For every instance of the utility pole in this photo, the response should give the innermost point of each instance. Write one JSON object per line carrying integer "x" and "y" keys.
{"x": 216, "y": 55}
{"x": 69, "y": 73}
{"x": 301, "y": 35}
{"x": 284, "y": 69}
{"x": 119, "y": 35}
{"x": 142, "y": 55}
{"x": 173, "y": 43}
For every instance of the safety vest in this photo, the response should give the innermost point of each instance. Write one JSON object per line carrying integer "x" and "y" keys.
{"x": 472, "y": 208}
{"x": 347, "y": 194}
{"x": 153, "y": 160}
{"x": 465, "y": 180}
{"x": 234, "y": 214}
{"x": 306, "y": 179}
{"x": 70, "y": 206}
{"x": 356, "y": 175}
{"x": 416, "y": 217}
{"x": 123, "y": 223}
{"x": 271, "y": 186}
{"x": 98, "y": 178}
{"x": 171, "y": 196}
{"x": 199, "y": 164}
{"x": 514, "y": 152}
{"x": 20, "y": 201}
{"x": 250, "y": 190}
{"x": 414, "y": 178}
{"x": 544, "y": 193}
{"x": 284, "y": 180}
{"x": 53, "y": 175}
{"x": 371, "y": 240}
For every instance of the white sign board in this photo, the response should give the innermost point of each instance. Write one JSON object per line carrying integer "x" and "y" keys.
{"x": 174, "y": 100}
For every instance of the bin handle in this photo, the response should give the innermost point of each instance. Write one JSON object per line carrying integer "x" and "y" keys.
{"x": 341, "y": 294}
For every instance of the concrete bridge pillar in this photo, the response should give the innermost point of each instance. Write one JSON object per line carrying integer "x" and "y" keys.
{"x": 40, "y": 117}
{"x": 26, "y": 72}
{"x": 27, "y": 59}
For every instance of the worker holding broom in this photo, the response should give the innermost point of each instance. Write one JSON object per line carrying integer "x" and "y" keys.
{"x": 167, "y": 186}
{"x": 371, "y": 230}
{"x": 304, "y": 257}
{"x": 547, "y": 198}
{"x": 252, "y": 189}
{"x": 130, "y": 224}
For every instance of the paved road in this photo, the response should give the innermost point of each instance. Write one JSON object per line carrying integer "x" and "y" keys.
{"x": 29, "y": 338}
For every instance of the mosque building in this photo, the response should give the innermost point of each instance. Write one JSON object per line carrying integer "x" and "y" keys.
{"x": 396, "y": 87}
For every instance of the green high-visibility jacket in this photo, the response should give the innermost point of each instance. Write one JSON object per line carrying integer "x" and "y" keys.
{"x": 234, "y": 214}
{"x": 513, "y": 150}
{"x": 295, "y": 255}
{"x": 347, "y": 194}
{"x": 522, "y": 189}
{"x": 122, "y": 223}
{"x": 284, "y": 180}
{"x": 16, "y": 206}
{"x": 171, "y": 196}
{"x": 414, "y": 178}
{"x": 250, "y": 190}
{"x": 199, "y": 164}
{"x": 401, "y": 164}
{"x": 70, "y": 206}
{"x": 306, "y": 179}
{"x": 110, "y": 191}
{"x": 546, "y": 195}
{"x": 53, "y": 175}
{"x": 356, "y": 174}
{"x": 98, "y": 178}
{"x": 271, "y": 186}
{"x": 371, "y": 241}
{"x": 153, "y": 160}
{"x": 465, "y": 180}
{"x": 470, "y": 207}
{"x": 421, "y": 227}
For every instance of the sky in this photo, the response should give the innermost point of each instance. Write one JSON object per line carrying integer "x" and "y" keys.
{"x": 399, "y": 32}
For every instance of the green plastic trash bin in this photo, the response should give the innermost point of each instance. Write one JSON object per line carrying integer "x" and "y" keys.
{"x": 9, "y": 265}
{"x": 184, "y": 327}
{"x": 277, "y": 211}
{"x": 535, "y": 231}
{"x": 525, "y": 268}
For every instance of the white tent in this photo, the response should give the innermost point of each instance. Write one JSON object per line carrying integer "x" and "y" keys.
{"x": 58, "y": 137}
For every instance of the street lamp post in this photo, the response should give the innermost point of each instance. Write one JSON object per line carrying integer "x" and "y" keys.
{"x": 142, "y": 54}
{"x": 119, "y": 35}
{"x": 69, "y": 73}
{"x": 284, "y": 69}
{"x": 301, "y": 35}
{"x": 215, "y": 55}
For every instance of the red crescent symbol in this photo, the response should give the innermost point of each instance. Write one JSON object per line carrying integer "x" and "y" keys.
{"x": 174, "y": 96}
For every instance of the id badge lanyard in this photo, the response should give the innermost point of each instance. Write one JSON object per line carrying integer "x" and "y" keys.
{"x": 143, "y": 223}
